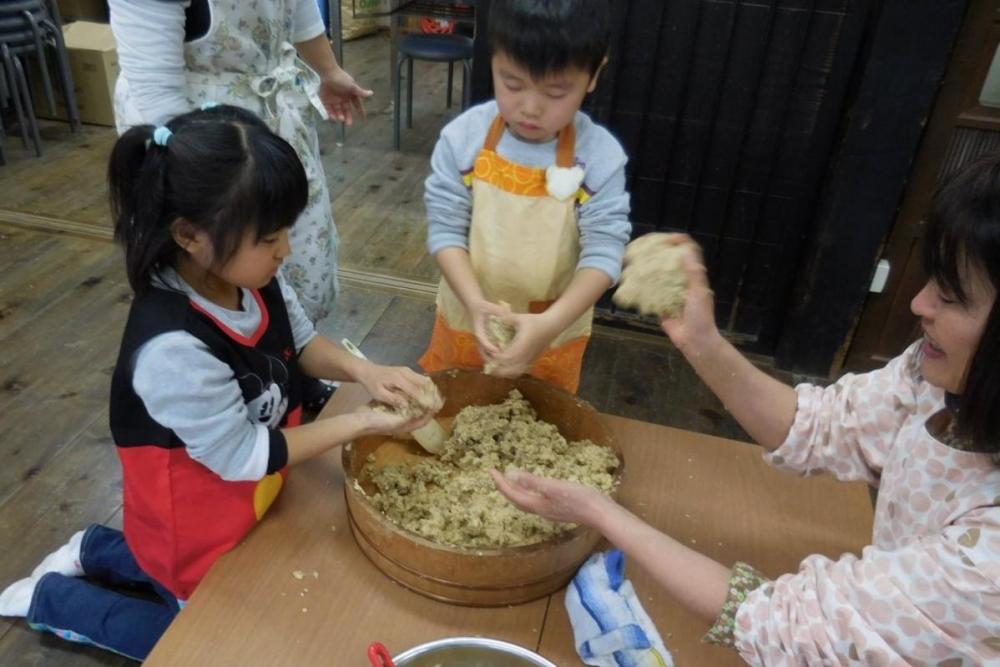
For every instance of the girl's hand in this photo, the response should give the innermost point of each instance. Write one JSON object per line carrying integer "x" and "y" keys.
{"x": 554, "y": 499}
{"x": 342, "y": 97}
{"x": 393, "y": 385}
{"x": 532, "y": 337}
{"x": 697, "y": 323}
{"x": 480, "y": 314}
{"x": 372, "y": 422}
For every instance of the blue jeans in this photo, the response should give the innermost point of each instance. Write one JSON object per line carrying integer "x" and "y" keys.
{"x": 81, "y": 610}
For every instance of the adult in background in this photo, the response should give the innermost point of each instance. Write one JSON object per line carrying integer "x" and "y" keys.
{"x": 271, "y": 57}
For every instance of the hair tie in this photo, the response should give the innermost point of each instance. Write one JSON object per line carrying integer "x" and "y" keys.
{"x": 161, "y": 135}
{"x": 209, "y": 105}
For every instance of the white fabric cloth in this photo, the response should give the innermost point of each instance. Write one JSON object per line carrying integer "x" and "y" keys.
{"x": 610, "y": 626}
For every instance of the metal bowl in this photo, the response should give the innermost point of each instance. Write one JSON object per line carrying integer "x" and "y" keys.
{"x": 470, "y": 652}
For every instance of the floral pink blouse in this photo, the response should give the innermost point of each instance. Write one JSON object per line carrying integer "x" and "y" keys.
{"x": 927, "y": 591}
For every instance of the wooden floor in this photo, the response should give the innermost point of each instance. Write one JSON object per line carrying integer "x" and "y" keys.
{"x": 377, "y": 192}
{"x": 64, "y": 299}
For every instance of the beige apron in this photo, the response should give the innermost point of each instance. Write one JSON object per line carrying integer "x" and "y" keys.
{"x": 524, "y": 246}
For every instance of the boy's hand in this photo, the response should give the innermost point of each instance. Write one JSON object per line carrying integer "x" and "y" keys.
{"x": 554, "y": 499}
{"x": 532, "y": 337}
{"x": 393, "y": 385}
{"x": 480, "y": 313}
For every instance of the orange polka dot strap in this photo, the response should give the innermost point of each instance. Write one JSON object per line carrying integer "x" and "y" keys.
{"x": 515, "y": 178}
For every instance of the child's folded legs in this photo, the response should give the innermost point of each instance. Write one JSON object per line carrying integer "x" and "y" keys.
{"x": 79, "y": 611}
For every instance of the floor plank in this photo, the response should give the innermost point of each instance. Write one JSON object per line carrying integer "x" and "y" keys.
{"x": 83, "y": 485}
{"x": 400, "y": 336}
{"x": 43, "y": 269}
{"x": 23, "y": 647}
{"x": 356, "y": 312}
{"x": 381, "y": 220}
{"x": 598, "y": 375}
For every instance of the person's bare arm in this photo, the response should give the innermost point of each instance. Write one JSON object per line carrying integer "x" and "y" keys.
{"x": 691, "y": 578}
{"x": 764, "y": 406}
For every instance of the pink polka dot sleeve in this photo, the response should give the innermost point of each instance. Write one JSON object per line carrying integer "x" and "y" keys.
{"x": 847, "y": 429}
{"x": 932, "y": 602}
{"x": 927, "y": 592}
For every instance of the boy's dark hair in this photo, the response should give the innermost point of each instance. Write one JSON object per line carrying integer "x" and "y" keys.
{"x": 222, "y": 169}
{"x": 963, "y": 236}
{"x": 546, "y": 36}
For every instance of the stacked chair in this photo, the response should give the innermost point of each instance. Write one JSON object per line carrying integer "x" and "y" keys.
{"x": 32, "y": 29}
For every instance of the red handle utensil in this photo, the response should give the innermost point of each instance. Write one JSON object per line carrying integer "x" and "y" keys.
{"x": 379, "y": 655}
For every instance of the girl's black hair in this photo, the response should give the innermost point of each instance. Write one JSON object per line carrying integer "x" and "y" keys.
{"x": 222, "y": 170}
{"x": 546, "y": 36}
{"x": 963, "y": 239}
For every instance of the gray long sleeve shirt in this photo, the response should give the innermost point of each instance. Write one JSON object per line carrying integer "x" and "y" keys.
{"x": 602, "y": 219}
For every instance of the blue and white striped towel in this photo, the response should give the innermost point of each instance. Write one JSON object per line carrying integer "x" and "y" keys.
{"x": 610, "y": 627}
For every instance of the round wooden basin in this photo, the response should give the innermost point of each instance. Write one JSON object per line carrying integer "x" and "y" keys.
{"x": 467, "y": 576}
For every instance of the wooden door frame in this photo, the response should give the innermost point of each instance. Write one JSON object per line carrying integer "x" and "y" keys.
{"x": 886, "y": 325}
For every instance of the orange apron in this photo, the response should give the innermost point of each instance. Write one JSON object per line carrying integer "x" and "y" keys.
{"x": 524, "y": 246}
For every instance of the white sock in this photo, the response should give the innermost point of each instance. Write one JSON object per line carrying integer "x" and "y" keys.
{"x": 64, "y": 560}
{"x": 16, "y": 598}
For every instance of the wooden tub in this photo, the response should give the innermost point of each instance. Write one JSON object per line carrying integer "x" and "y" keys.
{"x": 469, "y": 576}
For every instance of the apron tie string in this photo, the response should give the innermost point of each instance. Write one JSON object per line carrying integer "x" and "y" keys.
{"x": 288, "y": 89}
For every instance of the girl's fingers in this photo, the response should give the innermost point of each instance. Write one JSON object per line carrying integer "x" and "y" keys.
{"x": 390, "y": 397}
{"x": 411, "y": 386}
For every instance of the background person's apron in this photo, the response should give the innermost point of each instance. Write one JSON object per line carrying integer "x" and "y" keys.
{"x": 247, "y": 59}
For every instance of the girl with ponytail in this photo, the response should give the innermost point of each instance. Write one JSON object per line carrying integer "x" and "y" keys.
{"x": 206, "y": 395}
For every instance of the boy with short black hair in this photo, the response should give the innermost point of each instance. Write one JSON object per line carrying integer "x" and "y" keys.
{"x": 526, "y": 202}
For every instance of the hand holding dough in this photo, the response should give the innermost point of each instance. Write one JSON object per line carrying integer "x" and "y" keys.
{"x": 501, "y": 334}
{"x": 431, "y": 435}
{"x": 654, "y": 281}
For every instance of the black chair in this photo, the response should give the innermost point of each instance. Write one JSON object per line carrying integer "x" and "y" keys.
{"x": 434, "y": 48}
{"x": 28, "y": 28}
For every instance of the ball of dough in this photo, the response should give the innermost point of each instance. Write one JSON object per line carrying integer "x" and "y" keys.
{"x": 654, "y": 281}
{"x": 427, "y": 399}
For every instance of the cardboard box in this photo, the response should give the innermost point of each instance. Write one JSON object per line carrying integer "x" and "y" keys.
{"x": 93, "y": 60}
{"x": 373, "y": 8}
{"x": 83, "y": 10}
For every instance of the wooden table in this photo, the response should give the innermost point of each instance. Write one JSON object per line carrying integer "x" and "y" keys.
{"x": 715, "y": 494}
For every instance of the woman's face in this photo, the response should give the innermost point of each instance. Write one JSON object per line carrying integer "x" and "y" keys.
{"x": 951, "y": 329}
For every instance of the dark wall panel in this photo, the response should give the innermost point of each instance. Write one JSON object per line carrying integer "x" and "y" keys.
{"x": 722, "y": 106}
